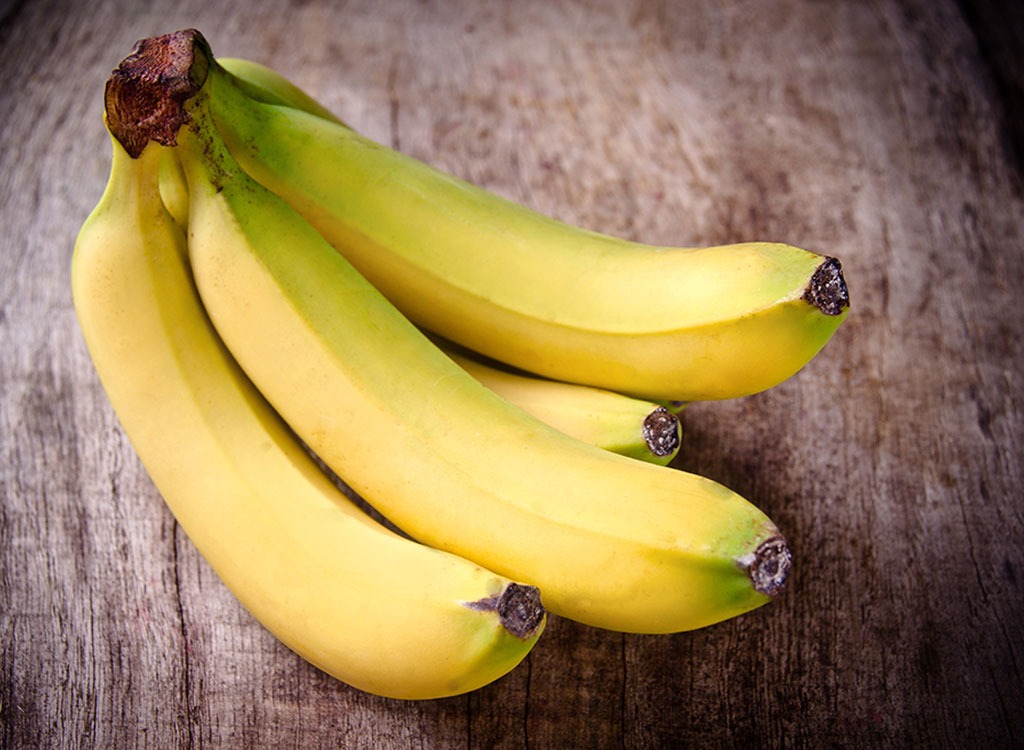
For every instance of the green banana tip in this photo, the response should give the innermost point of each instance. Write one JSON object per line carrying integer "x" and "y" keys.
{"x": 144, "y": 97}
{"x": 827, "y": 288}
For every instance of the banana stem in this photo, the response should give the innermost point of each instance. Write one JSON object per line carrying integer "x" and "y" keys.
{"x": 145, "y": 95}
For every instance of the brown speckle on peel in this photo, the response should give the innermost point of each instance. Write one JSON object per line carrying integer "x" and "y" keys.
{"x": 827, "y": 289}
{"x": 770, "y": 565}
{"x": 145, "y": 95}
{"x": 519, "y": 609}
{"x": 661, "y": 432}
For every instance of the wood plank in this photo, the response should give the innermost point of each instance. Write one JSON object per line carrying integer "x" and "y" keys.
{"x": 880, "y": 132}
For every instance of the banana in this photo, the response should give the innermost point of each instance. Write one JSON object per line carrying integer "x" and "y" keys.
{"x": 621, "y": 424}
{"x": 372, "y": 608}
{"x": 681, "y": 324}
{"x": 612, "y": 542}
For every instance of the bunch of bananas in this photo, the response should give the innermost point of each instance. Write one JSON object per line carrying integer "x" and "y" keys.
{"x": 267, "y": 294}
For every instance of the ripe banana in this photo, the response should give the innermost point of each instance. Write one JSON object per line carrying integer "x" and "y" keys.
{"x": 664, "y": 324}
{"x": 368, "y": 606}
{"x": 621, "y": 424}
{"x": 612, "y": 542}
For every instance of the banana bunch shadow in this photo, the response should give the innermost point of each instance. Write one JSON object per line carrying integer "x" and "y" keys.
{"x": 290, "y": 319}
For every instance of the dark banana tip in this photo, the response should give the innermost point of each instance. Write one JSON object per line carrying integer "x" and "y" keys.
{"x": 661, "y": 432}
{"x": 519, "y": 609}
{"x": 145, "y": 95}
{"x": 827, "y": 289}
{"x": 770, "y": 566}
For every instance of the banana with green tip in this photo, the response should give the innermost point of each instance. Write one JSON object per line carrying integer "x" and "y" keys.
{"x": 374, "y": 609}
{"x": 682, "y": 324}
{"x": 612, "y": 421}
{"x": 612, "y": 542}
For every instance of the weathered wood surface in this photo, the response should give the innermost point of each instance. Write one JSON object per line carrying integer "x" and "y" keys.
{"x": 881, "y": 132}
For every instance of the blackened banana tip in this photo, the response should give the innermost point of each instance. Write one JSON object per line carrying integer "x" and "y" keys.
{"x": 827, "y": 289}
{"x": 661, "y": 432}
{"x": 769, "y": 569}
{"x": 519, "y": 609}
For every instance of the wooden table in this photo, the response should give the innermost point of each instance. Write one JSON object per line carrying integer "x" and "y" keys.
{"x": 885, "y": 133}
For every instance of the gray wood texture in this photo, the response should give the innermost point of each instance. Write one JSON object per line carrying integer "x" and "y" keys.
{"x": 885, "y": 133}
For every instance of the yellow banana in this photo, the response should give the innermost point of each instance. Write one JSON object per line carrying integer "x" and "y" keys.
{"x": 662, "y": 323}
{"x": 612, "y": 421}
{"x": 612, "y": 542}
{"x": 374, "y": 609}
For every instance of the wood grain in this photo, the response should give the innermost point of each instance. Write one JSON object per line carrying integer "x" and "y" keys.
{"x": 885, "y": 133}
